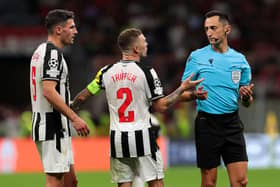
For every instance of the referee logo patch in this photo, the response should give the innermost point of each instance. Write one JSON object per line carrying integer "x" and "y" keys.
{"x": 236, "y": 76}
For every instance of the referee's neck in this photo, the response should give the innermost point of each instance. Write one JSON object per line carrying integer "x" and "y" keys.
{"x": 221, "y": 48}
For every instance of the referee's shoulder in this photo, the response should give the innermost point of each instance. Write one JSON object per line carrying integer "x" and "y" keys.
{"x": 200, "y": 51}
{"x": 237, "y": 53}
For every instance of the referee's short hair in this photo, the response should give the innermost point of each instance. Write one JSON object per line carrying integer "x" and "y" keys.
{"x": 57, "y": 16}
{"x": 127, "y": 37}
{"x": 223, "y": 17}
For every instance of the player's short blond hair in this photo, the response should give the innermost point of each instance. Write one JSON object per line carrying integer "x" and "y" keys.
{"x": 127, "y": 37}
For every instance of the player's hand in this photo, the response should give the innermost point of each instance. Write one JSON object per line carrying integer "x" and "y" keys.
{"x": 246, "y": 92}
{"x": 80, "y": 126}
{"x": 200, "y": 93}
{"x": 188, "y": 83}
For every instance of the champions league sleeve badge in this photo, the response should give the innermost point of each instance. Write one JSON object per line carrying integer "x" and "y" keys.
{"x": 53, "y": 68}
{"x": 53, "y": 64}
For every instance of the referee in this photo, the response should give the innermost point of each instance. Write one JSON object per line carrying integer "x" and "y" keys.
{"x": 218, "y": 128}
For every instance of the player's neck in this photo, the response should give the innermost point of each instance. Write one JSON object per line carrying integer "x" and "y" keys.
{"x": 221, "y": 47}
{"x": 132, "y": 57}
{"x": 55, "y": 41}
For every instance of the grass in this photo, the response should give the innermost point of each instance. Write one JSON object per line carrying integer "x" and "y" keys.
{"x": 174, "y": 177}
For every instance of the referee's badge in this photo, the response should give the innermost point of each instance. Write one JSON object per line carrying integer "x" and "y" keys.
{"x": 236, "y": 76}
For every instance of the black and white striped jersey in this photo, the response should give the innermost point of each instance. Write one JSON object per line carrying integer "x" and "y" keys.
{"x": 47, "y": 63}
{"x": 130, "y": 89}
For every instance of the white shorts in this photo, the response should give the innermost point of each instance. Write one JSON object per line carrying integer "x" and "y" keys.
{"x": 125, "y": 169}
{"x": 53, "y": 160}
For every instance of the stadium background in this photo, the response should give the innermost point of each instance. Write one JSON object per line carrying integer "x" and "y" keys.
{"x": 173, "y": 29}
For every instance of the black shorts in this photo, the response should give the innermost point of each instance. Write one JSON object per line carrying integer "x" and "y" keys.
{"x": 219, "y": 136}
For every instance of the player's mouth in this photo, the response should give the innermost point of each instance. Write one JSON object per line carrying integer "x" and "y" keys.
{"x": 213, "y": 39}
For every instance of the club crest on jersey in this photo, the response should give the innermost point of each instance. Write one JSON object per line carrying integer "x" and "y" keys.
{"x": 53, "y": 65}
{"x": 236, "y": 76}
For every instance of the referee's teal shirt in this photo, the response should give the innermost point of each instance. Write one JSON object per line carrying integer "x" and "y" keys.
{"x": 223, "y": 74}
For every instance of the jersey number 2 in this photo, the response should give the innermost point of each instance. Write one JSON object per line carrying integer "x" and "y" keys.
{"x": 34, "y": 82}
{"x": 120, "y": 93}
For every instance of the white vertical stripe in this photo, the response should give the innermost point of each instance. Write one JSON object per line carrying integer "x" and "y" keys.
{"x": 54, "y": 54}
{"x": 33, "y": 125}
{"x": 63, "y": 95}
{"x": 118, "y": 144}
{"x": 132, "y": 144}
{"x": 42, "y": 130}
{"x": 146, "y": 142}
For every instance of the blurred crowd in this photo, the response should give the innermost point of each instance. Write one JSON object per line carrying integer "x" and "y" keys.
{"x": 173, "y": 29}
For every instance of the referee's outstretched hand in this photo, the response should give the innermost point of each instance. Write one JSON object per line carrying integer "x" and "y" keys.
{"x": 188, "y": 83}
{"x": 246, "y": 91}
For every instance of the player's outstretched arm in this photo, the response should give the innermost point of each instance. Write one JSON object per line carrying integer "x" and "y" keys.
{"x": 164, "y": 103}
{"x": 57, "y": 102}
{"x": 80, "y": 99}
{"x": 199, "y": 94}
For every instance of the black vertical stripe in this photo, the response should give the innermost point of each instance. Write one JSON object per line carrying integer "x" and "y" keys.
{"x": 100, "y": 78}
{"x": 112, "y": 144}
{"x": 153, "y": 143}
{"x": 60, "y": 67}
{"x": 68, "y": 127}
{"x": 67, "y": 102}
{"x": 37, "y": 123}
{"x": 58, "y": 143}
{"x": 53, "y": 125}
{"x": 54, "y": 128}
{"x": 33, "y": 117}
{"x": 148, "y": 75}
{"x": 153, "y": 83}
{"x": 47, "y": 58}
{"x": 125, "y": 146}
{"x": 139, "y": 143}
{"x": 57, "y": 88}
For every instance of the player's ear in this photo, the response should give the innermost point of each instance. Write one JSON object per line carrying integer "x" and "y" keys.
{"x": 227, "y": 29}
{"x": 136, "y": 49}
{"x": 58, "y": 29}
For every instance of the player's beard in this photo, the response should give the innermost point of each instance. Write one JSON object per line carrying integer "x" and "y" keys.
{"x": 68, "y": 40}
{"x": 216, "y": 43}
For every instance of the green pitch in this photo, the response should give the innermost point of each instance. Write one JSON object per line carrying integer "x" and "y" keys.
{"x": 174, "y": 177}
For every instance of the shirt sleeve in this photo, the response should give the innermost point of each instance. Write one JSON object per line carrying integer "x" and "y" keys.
{"x": 95, "y": 86}
{"x": 155, "y": 86}
{"x": 245, "y": 74}
{"x": 191, "y": 67}
{"x": 52, "y": 67}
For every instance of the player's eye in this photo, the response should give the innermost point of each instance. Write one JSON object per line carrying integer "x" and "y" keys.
{"x": 213, "y": 28}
